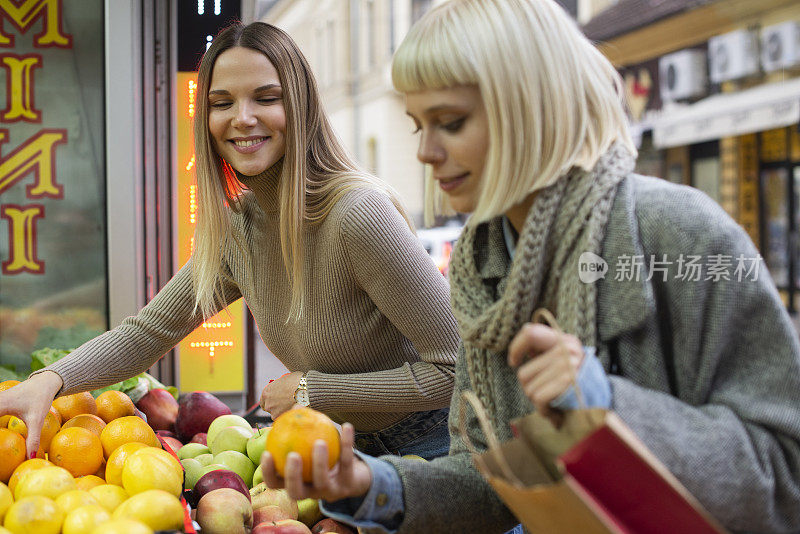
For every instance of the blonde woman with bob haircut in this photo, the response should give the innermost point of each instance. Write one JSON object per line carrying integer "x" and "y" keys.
{"x": 322, "y": 252}
{"x": 521, "y": 123}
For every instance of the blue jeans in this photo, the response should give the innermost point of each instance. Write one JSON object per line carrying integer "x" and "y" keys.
{"x": 422, "y": 433}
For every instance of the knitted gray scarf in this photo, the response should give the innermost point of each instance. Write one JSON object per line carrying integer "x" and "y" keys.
{"x": 566, "y": 220}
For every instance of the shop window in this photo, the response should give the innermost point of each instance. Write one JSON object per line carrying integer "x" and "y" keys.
{"x": 780, "y": 208}
{"x": 53, "y": 283}
{"x": 775, "y": 203}
{"x": 706, "y": 168}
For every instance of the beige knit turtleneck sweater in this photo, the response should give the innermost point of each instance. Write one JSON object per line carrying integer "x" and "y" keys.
{"x": 377, "y": 336}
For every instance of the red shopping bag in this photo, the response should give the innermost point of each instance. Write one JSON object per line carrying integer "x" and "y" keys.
{"x": 587, "y": 473}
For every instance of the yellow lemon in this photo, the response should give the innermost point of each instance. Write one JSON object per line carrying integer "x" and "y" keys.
{"x": 4, "y": 530}
{"x": 122, "y": 526}
{"x": 152, "y": 468}
{"x": 50, "y": 481}
{"x": 24, "y": 467}
{"x": 34, "y": 515}
{"x": 116, "y": 461}
{"x": 109, "y": 496}
{"x": 6, "y": 500}
{"x": 76, "y": 498}
{"x": 83, "y": 519}
{"x": 88, "y": 482}
{"x": 155, "y": 508}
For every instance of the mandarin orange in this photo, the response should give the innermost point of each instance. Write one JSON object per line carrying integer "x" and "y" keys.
{"x": 12, "y": 453}
{"x": 77, "y": 450}
{"x": 71, "y": 405}
{"x": 296, "y": 431}
{"x": 88, "y": 421}
{"x": 124, "y": 430}
{"x": 113, "y": 405}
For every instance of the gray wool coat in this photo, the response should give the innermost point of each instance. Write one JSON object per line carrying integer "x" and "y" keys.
{"x": 706, "y": 372}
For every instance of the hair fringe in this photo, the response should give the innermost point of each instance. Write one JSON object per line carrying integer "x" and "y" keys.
{"x": 552, "y": 100}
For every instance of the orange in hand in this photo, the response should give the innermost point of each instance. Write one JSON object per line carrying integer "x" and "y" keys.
{"x": 296, "y": 431}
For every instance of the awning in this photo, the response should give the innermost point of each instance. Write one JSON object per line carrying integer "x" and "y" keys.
{"x": 760, "y": 108}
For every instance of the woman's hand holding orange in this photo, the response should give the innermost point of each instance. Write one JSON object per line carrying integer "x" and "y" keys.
{"x": 546, "y": 365}
{"x": 30, "y": 400}
{"x": 350, "y": 477}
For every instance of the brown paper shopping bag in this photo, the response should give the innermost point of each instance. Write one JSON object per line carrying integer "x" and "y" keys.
{"x": 586, "y": 473}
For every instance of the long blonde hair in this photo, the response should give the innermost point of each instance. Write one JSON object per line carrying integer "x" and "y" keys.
{"x": 317, "y": 170}
{"x": 553, "y": 101}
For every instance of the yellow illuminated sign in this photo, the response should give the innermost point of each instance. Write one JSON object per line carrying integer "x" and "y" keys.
{"x": 212, "y": 357}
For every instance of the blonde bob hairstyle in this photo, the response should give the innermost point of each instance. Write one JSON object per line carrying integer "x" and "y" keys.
{"x": 317, "y": 170}
{"x": 553, "y": 101}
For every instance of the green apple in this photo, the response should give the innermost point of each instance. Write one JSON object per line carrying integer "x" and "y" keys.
{"x": 258, "y": 476}
{"x": 193, "y": 469}
{"x": 191, "y": 450}
{"x": 308, "y": 512}
{"x": 212, "y": 467}
{"x": 238, "y": 463}
{"x": 205, "y": 459}
{"x": 224, "y": 421}
{"x": 257, "y": 444}
{"x": 231, "y": 438}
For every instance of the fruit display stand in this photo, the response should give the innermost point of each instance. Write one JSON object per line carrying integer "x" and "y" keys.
{"x": 107, "y": 465}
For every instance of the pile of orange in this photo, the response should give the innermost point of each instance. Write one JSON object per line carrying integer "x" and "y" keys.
{"x": 296, "y": 431}
{"x": 65, "y": 486}
{"x": 79, "y": 433}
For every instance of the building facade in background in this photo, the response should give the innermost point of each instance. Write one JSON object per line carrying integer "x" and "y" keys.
{"x": 714, "y": 94}
{"x": 349, "y": 44}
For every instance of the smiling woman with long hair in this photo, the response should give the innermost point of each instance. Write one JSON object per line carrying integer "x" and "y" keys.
{"x": 322, "y": 252}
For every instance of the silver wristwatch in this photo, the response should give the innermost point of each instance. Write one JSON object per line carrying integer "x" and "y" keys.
{"x": 301, "y": 393}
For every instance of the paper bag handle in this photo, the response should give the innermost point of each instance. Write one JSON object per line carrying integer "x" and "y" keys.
{"x": 488, "y": 430}
{"x": 543, "y": 315}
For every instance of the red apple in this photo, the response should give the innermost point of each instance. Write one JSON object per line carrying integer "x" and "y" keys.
{"x": 219, "y": 478}
{"x": 166, "y": 434}
{"x": 329, "y": 525}
{"x": 173, "y": 443}
{"x": 224, "y": 511}
{"x": 284, "y": 526}
{"x": 269, "y": 513}
{"x": 160, "y": 407}
{"x": 196, "y": 410}
{"x": 200, "y": 437}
